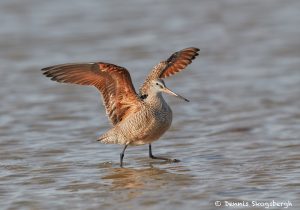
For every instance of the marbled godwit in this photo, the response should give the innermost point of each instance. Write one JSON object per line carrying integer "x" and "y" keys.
{"x": 137, "y": 118}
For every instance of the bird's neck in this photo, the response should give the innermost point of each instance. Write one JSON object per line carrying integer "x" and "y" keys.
{"x": 155, "y": 99}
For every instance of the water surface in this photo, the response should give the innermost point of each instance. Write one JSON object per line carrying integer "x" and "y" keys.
{"x": 238, "y": 138}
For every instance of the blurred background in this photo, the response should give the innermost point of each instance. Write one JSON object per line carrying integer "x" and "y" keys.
{"x": 238, "y": 138}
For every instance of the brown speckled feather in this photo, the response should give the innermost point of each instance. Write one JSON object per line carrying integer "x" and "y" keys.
{"x": 175, "y": 63}
{"x": 114, "y": 82}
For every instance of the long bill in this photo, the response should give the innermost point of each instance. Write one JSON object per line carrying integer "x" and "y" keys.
{"x": 170, "y": 92}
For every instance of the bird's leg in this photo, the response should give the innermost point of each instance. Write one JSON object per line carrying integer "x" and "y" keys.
{"x": 160, "y": 158}
{"x": 122, "y": 156}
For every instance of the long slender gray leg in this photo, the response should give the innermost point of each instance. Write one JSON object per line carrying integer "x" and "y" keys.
{"x": 160, "y": 158}
{"x": 122, "y": 155}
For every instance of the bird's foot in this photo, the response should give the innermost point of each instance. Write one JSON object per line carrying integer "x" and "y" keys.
{"x": 174, "y": 160}
{"x": 166, "y": 159}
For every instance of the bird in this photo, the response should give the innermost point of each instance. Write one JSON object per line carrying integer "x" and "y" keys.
{"x": 136, "y": 118}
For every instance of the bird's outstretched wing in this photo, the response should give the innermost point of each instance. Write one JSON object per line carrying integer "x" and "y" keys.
{"x": 175, "y": 63}
{"x": 114, "y": 82}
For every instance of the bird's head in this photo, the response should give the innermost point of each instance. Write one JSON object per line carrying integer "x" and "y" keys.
{"x": 159, "y": 85}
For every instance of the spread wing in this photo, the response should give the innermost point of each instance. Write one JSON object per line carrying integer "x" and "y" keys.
{"x": 114, "y": 82}
{"x": 175, "y": 63}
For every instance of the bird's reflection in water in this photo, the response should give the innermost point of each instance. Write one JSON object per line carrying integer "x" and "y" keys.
{"x": 131, "y": 178}
{"x": 129, "y": 183}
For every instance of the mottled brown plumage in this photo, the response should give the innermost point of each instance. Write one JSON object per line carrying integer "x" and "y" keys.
{"x": 137, "y": 119}
{"x": 114, "y": 83}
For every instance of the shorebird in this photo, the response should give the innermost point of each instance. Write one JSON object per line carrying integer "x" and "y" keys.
{"x": 137, "y": 119}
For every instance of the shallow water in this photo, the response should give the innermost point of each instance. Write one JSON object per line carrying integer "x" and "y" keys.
{"x": 238, "y": 138}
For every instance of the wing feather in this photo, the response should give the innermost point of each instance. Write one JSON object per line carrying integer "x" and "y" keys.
{"x": 175, "y": 63}
{"x": 114, "y": 83}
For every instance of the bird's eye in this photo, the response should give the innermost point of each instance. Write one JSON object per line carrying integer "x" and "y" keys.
{"x": 159, "y": 85}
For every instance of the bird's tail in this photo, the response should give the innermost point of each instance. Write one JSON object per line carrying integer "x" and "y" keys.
{"x": 106, "y": 139}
